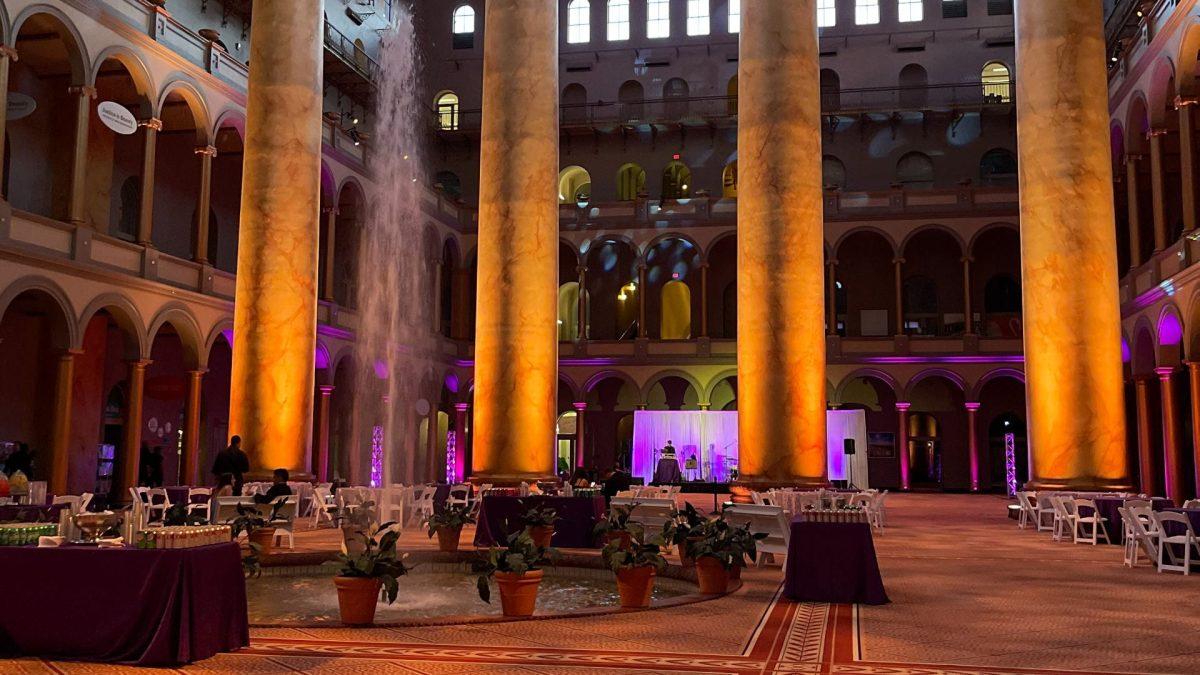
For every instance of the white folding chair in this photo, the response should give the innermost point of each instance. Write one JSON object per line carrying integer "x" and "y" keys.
{"x": 204, "y": 505}
{"x": 1026, "y": 501}
{"x": 1186, "y": 537}
{"x": 1096, "y": 522}
{"x": 1144, "y": 527}
{"x": 1192, "y": 504}
{"x": 460, "y": 495}
{"x": 85, "y": 500}
{"x": 70, "y": 501}
{"x": 158, "y": 501}
{"x": 323, "y": 505}
{"x": 1063, "y": 518}
{"x": 763, "y": 518}
{"x": 423, "y": 508}
{"x": 284, "y": 521}
{"x": 1044, "y": 510}
{"x": 651, "y": 513}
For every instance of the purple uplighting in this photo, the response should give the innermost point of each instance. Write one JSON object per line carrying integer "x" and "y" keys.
{"x": 1170, "y": 331}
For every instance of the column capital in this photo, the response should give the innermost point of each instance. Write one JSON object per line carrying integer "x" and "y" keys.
{"x": 198, "y": 372}
{"x": 326, "y": 389}
{"x": 967, "y": 259}
{"x": 704, "y": 266}
{"x": 898, "y": 261}
{"x": 82, "y": 90}
{"x": 832, "y": 262}
{"x": 903, "y": 406}
{"x": 1165, "y": 372}
{"x": 152, "y": 123}
{"x": 462, "y": 407}
{"x": 139, "y": 364}
{"x": 1184, "y": 101}
{"x": 1192, "y": 365}
{"x": 580, "y": 406}
{"x": 7, "y": 52}
{"x": 581, "y": 269}
{"x": 1156, "y": 132}
{"x": 1131, "y": 157}
{"x": 971, "y": 406}
{"x": 207, "y": 150}
{"x": 642, "y": 267}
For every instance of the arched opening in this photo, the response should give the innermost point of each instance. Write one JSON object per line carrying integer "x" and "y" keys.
{"x": 114, "y": 179}
{"x": 731, "y": 96}
{"x": 177, "y": 172}
{"x": 877, "y": 399}
{"x": 673, "y": 393}
{"x": 938, "y": 457}
{"x": 632, "y": 97}
{"x": 672, "y": 269}
{"x": 226, "y": 201}
{"x": 724, "y": 395}
{"x": 574, "y": 103}
{"x": 609, "y": 421}
{"x": 349, "y": 221}
{"x": 933, "y": 284}
{"x": 995, "y": 282}
{"x": 613, "y": 295}
{"x": 997, "y": 83}
{"x": 722, "y": 278}
{"x": 914, "y": 171}
{"x": 998, "y": 168}
{"x": 676, "y": 181}
{"x": 449, "y": 183}
{"x": 574, "y": 185}
{"x": 1144, "y": 362}
{"x": 833, "y": 173}
{"x": 729, "y": 180}
{"x": 675, "y": 94}
{"x": 1001, "y": 417}
{"x": 172, "y": 355}
{"x": 41, "y": 117}
{"x": 445, "y": 105}
{"x": 1138, "y": 148}
{"x": 568, "y": 312}
{"x": 214, "y": 409}
{"x": 831, "y": 90}
{"x": 341, "y": 420}
{"x": 446, "y": 300}
{"x": 631, "y": 182}
{"x": 865, "y": 271}
{"x": 914, "y": 86}
{"x": 462, "y": 27}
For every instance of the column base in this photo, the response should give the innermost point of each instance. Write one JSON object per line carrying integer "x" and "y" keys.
{"x": 742, "y": 488}
{"x": 1081, "y": 485}
{"x": 510, "y": 480}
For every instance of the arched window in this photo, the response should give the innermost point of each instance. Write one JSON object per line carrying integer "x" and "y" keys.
{"x": 574, "y": 185}
{"x": 446, "y": 106}
{"x": 914, "y": 86}
{"x": 915, "y": 171}
{"x": 677, "y": 181}
{"x": 833, "y": 172}
{"x": 579, "y": 22}
{"x": 697, "y": 17}
{"x": 729, "y": 180}
{"x": 658, "y": 18}
{"x": 618, "y": 20}
{"x": 449, "y": 182}
{"x": 631, "y": 181}
{"x": 568, "y": 312}
{"x": 997, "y": 83}
{"x": 735, "y": 16}
{"x": 574, "y": 103}
{"x": 676, "y": 92}
{"x": 676, "y": 321}
{"x": 632, "y": 97}
{"x": 731, "y": 96}
{"x": 831, "y": 90}
{"x": 463, "y": 27}
{"x": 998, "y": 167}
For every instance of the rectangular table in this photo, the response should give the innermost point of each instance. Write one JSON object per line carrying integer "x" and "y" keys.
{"x": 1114, "y": 524}
{"x": 30, "y": 514}
{"x": 577, "y": 517}
{"x": 832, "y": 562}
{"x": 125, "y": 605}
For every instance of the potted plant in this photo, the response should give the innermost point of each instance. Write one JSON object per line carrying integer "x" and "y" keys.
{"x": 517, "y": 568}
{"x": 258, "y": 529}
{"x": 617, "y": 525}
{"x": 687, "y": 532}
{"x": 540, "y": 523}
{"x": 720, "y": 549}
{"x": 369, "y": 574}
{"x": 178, "y": 515}
{"x": 743, "y": 545}
{"x": 635, "y": 566}
{"x": 448, "y": 525}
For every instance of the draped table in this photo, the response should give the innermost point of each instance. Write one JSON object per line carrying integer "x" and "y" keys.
{"x": 577, "y": 517}
{"x": 1175, "y": 529}
{"x": 1114, "y": 524}
{"x": 834, "y": 563}
{"x": 123, "y": 605}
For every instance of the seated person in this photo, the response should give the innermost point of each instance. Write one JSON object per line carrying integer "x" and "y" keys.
{"x": 278, "y": 489}
{"x": 224, "y": 485}
{"x": 617, "y": 481}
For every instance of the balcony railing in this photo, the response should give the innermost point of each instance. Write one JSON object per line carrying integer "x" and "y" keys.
{"x": 350, "y": 52}
{"x": 706, "y": 110}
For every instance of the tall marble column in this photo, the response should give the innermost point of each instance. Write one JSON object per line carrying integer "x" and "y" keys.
{"x": 191, "y": 428}
{"x": 781, "y": 248}
{"x": 1132, "y": 201}
{"x": 204, "y": 203}
{"x": 275, "y": 313}
{"x": 1172, "y": 450}
{"x": 973, "y": 443}
{"x": 7, "y": 56}
{"x": 1187, "y": 160}
{"x": 1069, "y": 250}
{"x": 145, "y": 233}
{"x": 1147, "y": 473}
{"x": 902, "y": 443}
{"x": 131, "y": 446}
{"x": 61, "y": 430}
{"x": 83, "y": 108}
{"x": 321, "y": 470}
{"x": 1157, "y": 195}
{"x": 516, "y": 334}
{"x": 968, "y": 310}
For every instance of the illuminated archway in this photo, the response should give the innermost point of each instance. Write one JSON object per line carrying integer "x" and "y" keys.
{"x": 574, "y": 185}
{"x": 631, "y": 182}
{"x": 676, "y": 322}
{"x": 677, "y": 181}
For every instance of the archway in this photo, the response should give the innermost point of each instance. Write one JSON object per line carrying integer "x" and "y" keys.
{"x": 933, "y": 284}
{"x": 676, "y": 181}
{"x": 632, "y": 99}
{"x": 226, "y": 202}
{"x": 724, "y": 394}
{"x": 1136, "y": 145}
{"x": 672, "y": 392}
{"x": 114, "y": 183}
{"x": 722, "y": 288}
{"x": 676, "y": 312}
{"x": 214, "y": 408}
{"x": 446, "y": 302}
{"x": 173, "y": 353}
{"x": 729, "y": 180}
{"x": 612, "y": 290}
{"x": 938, "y": 455}
{"x": 914, "y": 86}
{"x": 631, "y": 182}
{"x": 670, "y": 260}
{"x": 177, "y": 171}
{"x": 351, "y": 214}
{"x": 611, "y": 401}
{"x": 877, "y": 399}
{"x": 865, "y": 271}
{"x": 1001, "y": 420}
{"x": 574, "y": 185}
{"x": 995, "y": 282}
{"x": 831, "y": 90}
{"x": 574, "y": 103}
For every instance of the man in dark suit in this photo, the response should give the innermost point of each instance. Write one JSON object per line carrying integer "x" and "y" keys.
{"x": 233, "y": 461}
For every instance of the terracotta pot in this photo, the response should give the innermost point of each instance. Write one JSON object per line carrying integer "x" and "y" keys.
{"x": 518, "y": 592}
{"x": 735, "y": 572}
{"x": 625, "y": 538}
{"x": 542, "y": 535}
{"x": 357, "y": 597}
{"x": 265, "y": 538}
{"x": 685, "y": 559}
{"x": 635, "y": 584}
{"x": 711, "y": 575}
{"x": 448, "y": 538}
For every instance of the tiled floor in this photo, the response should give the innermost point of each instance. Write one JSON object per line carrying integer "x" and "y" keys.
{"x": 971, "y": 594}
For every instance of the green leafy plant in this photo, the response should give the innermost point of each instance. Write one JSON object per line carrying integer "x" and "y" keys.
{"x": 731, "y": 546}
{"x": 178, "y": 515}
{"x": 518, "y": 556}
{"x": 687, "y": 525}
{"x": 641, "y": 552}
{"x": 376, "y": 560}
{"x": 249, "y": 519}
{"x": 539, "y": 516}
{"x": 619, "y": 519}
{"x": 450, "y": 518}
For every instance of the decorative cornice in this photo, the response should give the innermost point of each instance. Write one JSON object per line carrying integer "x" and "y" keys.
{"x": 207, "y": 150}
{"x": 7, "y": 52}
{"x": 151, "y": 123}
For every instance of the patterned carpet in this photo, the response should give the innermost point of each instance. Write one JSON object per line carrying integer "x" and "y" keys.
{"x": 971, "y": 594}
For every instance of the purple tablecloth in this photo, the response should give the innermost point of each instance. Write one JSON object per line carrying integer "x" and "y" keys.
{"x": 1114, "y": 524}
{"x": 833, "y": 562}
{"x": 1174, "y": 529}
{"x": 577, "y": 517}
{"x": 30, "y": 514}
{"x": 144, "y": 607}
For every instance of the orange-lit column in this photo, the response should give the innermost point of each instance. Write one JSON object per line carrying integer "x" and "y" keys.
{"x": 83, "y": 109}
{"x": 973, "y": 443}
{"x": 1134, "y": 210}
{"x": 1194, "y": 386}
{"x": 516, "y": 342}
{"x": 321, "y": 470}
{"x": 191, "y": 428}
{"x": 275, "y": 313}
{"x": 61, "y": 431}
{"x": 1068, "y": 250}
{"x": 1172, "y": 453}
{"x": 130, "y": 458}
{"x": 781, "y": 248}
{"x": 1187, "y": 160}
{"x": 204, "y": 202}
{"x": 902, "y": 443}
{"x": 1146, "y": 464}
{"x": 1155, "y": 136}
{"x": 580, "y": 432}
{"x": 7, "y": 56}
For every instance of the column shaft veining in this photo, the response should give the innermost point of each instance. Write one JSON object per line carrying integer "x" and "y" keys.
{"x": 275, "y": 312}
{"x": 1068, "y": 249}
{"x": 780, "y": 286}
{"x": 516, "y": 335}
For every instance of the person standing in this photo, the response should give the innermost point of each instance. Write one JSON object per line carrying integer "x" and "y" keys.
{"x": 233, "y": 461}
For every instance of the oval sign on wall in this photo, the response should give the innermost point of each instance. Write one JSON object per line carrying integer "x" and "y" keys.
{"x": 117, "y": 117}
{"x": 20, "y": 105}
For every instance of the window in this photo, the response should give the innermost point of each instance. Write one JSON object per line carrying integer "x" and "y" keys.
{"x": 911, "y": 10}
{"x": 658, "y": 18}
{"x": 735, "y": 16}
{"x": 446, "y": 105}
{"x": 866, "y": 12}
{"x": 915, "y": 171}
{"x": 618, "y": 20}
{"x": 826, "y": 13}
{"x": 833, "y": 173}
{"x": 579, "y": 22}
{"x": 574, "y": 185}
{"x": 697, "y": 17}
{"x": 998, "y": 167}
{"x": 1000, "y": 7}
{"x": 997, "y": 83}
{"x": 954, "y": 9}
{"x": 464, "y": 27}
{"x": 631, "y": 181}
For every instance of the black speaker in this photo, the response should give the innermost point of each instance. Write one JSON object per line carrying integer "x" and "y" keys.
{"x": 848, "y": 446}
